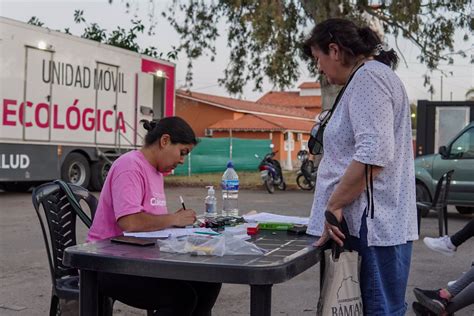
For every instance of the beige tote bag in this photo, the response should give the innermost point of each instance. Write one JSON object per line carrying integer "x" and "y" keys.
{"x": 340, "y": 294}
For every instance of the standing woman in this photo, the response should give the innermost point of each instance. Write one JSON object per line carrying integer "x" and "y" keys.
{"x": 133, "y": 199}
{"x": 368, "y": 137}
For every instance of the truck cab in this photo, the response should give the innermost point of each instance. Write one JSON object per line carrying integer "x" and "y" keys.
{"x": 457, "y": 155}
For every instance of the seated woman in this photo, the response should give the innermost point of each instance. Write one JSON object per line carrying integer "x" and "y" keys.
{"x": 133, "y": 199}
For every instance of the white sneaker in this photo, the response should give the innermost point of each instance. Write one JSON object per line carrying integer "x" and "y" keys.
{"x": 441, "y": 244}
{"x": 451, "y": 283}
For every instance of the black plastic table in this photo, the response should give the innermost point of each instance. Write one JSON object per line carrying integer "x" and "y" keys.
{"x": 288, "y": 255}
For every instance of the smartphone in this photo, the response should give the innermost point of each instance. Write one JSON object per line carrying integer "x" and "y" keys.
{"x": 298, "y": 229}
{"x": 136, "y": 241}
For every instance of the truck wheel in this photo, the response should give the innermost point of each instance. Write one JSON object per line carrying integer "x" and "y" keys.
{"x": 75, "y": 169}
{"x": 422, "y": 195}
{"x": 465, "y": 209}
{"x": 99, "y": 171}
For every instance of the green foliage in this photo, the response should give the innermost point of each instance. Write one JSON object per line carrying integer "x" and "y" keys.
{"x": 119, "y": 37}
{"x": 35, "y": 21}
{"x": 264, "y": 35}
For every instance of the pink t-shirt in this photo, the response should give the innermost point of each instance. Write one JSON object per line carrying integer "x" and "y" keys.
{"x": 133, "y": 185}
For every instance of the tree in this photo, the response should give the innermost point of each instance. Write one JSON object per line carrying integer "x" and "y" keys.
{"x": 119, "y": 37}
{"x": 265, "y": 35}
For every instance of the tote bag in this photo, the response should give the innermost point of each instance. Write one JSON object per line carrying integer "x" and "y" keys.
{"x": 340, "y": 293}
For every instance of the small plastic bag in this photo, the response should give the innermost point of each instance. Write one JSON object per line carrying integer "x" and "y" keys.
{"x": 210, "y": 245}
{"x": 172, "y": 244}
{"x": 205, "y": 245}
{"x": 237, "y": 246}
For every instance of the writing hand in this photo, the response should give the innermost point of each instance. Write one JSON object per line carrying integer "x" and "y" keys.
{"x": 184, "y": 217}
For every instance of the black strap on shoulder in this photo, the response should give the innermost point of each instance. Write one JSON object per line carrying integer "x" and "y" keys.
{"x": 341, "y": 93}
{"x": 74, "y": 203}
{"x": 369, "y": 189}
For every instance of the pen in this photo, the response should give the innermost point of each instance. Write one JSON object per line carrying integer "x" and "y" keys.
{"x": 207, "y": 233}
{"x": 182, "y": 202}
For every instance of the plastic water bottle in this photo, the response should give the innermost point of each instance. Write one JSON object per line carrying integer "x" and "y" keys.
{"x": 230, "y": 191}
{"x": 210, "y": 201}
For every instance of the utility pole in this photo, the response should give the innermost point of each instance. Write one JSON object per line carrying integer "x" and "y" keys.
{"x": 441, "y": 87}
{"x": 451, "y": 96}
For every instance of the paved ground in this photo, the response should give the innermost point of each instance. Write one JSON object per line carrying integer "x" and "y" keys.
{"x": 25, "y": 280}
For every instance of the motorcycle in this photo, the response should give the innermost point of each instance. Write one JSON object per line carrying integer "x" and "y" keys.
{"x": 306, "y": 176}
{"x": 270, "y": 171}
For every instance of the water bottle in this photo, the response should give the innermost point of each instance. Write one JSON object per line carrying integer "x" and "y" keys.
{"x": 230, "y": 191}
{"x": 210, "y": 201}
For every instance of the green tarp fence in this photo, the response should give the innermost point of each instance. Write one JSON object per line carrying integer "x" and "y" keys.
{"x": 212, "y": 154}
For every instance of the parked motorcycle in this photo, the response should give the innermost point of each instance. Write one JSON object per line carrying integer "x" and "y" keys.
{"x": 270, "y": 171}
{"x": 306, "y": 176}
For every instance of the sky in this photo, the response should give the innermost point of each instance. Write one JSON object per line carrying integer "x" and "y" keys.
{"x": 58, "y": 14}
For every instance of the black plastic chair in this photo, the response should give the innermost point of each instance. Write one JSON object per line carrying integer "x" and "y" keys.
{"x": 59, "y": 234}
{"x": 439, "y": 203}
{"x": 61, "y": 206}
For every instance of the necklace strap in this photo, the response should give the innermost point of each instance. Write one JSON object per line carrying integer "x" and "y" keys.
{"x": 341, "y": 92}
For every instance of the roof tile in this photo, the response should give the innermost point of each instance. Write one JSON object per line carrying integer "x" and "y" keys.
{"x": 251, "y": 122}
{"x": 246, "y": 106}
{"x": 290, "y": 99}
{"x": 309, "y": 85}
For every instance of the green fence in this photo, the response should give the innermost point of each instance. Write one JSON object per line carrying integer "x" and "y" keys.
{"x": 212, "y": 154}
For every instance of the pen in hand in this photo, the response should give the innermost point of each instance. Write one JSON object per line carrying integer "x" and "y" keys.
{"x": 184, "y": 208}
{"x": 182, "y": 202}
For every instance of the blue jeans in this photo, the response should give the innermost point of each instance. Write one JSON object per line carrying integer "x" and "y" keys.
{"x": 383, "y": 275}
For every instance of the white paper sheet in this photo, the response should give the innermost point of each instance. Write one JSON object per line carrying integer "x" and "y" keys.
{"x": 171, "y": 232}
{"x": 274, "y": 218}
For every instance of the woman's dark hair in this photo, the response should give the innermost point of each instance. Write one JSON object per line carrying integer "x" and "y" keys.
{"x": 179, "y": 130}
{"x": 353, "y": 40}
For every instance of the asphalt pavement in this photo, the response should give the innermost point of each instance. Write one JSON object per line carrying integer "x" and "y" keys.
{"x": 26, "y": 283}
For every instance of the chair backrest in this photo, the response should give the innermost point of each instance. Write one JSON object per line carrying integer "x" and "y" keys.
{"x": 442, "y": 190}
{"x": 60, "y": 217}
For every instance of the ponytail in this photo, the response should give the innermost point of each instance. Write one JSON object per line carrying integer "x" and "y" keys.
{"x": 373, "y": 43}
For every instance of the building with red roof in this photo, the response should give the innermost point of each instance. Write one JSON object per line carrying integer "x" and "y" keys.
{"x": 286, "y": 124}
{"x": 307, "y": 98}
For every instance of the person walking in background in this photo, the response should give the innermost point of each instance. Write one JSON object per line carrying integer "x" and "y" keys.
{"x": 450, "y": 299}
{"x": 368, "y": 136}
{"x": 448, "y": 245}
{"x": 133, "y": 199}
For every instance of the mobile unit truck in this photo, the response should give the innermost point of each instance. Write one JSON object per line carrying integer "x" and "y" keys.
{"x": 70, "y": 106}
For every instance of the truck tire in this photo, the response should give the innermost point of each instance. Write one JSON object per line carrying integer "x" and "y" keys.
{"x": 465, "y": 209}
{"x": 99, "y": 171}
{"x": 422, "y": 195}
{"x": 76, "y": 170}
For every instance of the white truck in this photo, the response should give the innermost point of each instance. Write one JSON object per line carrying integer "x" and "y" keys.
{"x": 70, "y": 105}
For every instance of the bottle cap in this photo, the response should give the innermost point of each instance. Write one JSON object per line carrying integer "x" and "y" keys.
{"x": 210, "y": 190}
{"x": 230, "y": 164}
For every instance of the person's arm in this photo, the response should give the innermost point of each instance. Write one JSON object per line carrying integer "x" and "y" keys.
{"x": 351, "y": 186}
{"x": 128, "y": 191}
{"x": 148, "y": 222}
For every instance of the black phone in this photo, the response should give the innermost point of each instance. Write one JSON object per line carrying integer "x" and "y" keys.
{"x": 136, "y": 241}
{"x": 297, "y": 229}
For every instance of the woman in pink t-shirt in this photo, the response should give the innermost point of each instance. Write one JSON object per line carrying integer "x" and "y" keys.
{"x": 133, "y": 199}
